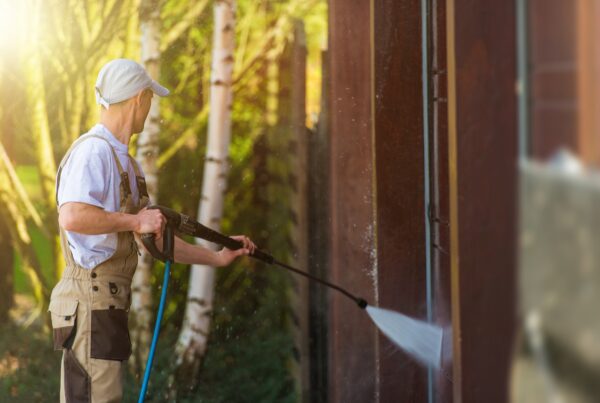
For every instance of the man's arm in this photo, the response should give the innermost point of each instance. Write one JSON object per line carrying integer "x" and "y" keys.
{"x": 188, "y": 253}
{"x": 196, "y": 254}
{"x": 91, "y": 220}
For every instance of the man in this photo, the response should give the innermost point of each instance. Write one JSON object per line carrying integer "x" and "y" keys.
{"x": 101, "y": 196}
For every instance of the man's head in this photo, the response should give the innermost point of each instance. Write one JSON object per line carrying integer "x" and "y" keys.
{"x": 125, "y": 89}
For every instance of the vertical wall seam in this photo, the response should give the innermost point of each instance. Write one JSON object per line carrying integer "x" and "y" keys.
{"x": 523, "y": 79}
{"x": 426, "y": 176}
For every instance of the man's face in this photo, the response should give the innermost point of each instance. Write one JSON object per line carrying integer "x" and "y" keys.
{"x": 141, "y": 112}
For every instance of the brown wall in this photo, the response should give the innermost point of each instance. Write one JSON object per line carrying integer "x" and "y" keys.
{"x": 564, "y": 60}
{"x": 352, "y": 337}
{"x": 400, "y": 187}
{"x": 553, "y": 78}
{"x": 377, "y": 171}
{"x": 588, "y": 80}
{"x": 483, "y": 183}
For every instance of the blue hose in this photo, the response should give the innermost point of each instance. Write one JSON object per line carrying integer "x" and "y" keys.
{"x": 161, "y": 309}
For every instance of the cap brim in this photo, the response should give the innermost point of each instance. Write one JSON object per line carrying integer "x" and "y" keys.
{"x": 159, "y": 89}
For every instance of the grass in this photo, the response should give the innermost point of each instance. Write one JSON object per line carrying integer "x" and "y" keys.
{"x": 29, "y": 368}
{"x": 246, "y": 362}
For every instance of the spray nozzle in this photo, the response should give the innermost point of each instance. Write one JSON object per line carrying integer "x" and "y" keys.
{"x": 362, "y": 304}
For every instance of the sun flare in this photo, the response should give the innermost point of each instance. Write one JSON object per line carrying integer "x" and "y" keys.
{"x": 13, "y": 21}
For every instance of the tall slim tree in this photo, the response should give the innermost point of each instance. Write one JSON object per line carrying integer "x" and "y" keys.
{"x": 6, "y": 270}
{"x": 40, "y": 126}
{"x": 147, "y": 152}
{"x": 191, "y": 345}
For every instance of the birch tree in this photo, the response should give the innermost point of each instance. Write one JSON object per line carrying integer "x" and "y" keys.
{"x": 191, "y": 345}
{"x": 147, "y": 152}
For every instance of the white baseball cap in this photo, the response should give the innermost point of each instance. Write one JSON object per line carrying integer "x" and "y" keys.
{"x": 121, "y": 79}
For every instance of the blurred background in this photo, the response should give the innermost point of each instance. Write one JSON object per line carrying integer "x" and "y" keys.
{"x": 50, "y": 55}
{"x": 436, "y": 157}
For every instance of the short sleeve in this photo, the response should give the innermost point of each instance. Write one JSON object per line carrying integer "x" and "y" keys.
{"x": 86, "y": 174}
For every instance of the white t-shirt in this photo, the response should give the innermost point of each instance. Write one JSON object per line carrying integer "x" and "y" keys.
{"x": 90, "y": 175}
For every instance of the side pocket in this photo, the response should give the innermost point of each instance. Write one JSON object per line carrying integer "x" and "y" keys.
{"x": 110, "y": 335}
{"x": 78, "y": 384}
{"x": 64, "y": 315}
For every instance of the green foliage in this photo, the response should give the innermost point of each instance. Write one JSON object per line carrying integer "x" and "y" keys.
{"x": 246, "y": 360}
{"x": 249, "y": 349}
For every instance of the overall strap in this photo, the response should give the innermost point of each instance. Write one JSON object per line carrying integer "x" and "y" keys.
{"x": 124, "y": 188}
{"x": 141, "y": 183}
{"x": 66, "y": 248}
{"x": 124, "y": 177}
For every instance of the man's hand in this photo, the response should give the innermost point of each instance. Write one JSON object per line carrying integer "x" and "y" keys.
{"x": 226, "y": 256}
{"x": 150, "y": 221}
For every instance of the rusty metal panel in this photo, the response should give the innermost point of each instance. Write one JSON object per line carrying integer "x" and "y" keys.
{"x": 400, "y": 193}
{"x": 352, "y": 337}
{"x": 483, "y": 168}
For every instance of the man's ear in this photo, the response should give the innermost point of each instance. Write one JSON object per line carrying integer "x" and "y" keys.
{"x": 139, "y": 96}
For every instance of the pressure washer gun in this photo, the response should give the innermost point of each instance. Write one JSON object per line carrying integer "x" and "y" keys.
{"x": 183, "y": 224}
{"x": 186, "y": 225}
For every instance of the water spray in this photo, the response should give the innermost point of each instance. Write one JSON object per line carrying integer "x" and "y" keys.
{"x": 422, "y": 340}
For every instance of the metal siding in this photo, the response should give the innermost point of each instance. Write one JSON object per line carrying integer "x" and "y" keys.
{"x": 352, "y": 337}
{"x": 400, "y": 192}
{"x": 486, "y": 178}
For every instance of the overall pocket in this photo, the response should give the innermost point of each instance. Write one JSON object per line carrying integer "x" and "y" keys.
{"x": 78, "y": 384}
{"x": 109, "y": 325}
{"x": 64, "y": 315}
{"x": 110, "y": 335}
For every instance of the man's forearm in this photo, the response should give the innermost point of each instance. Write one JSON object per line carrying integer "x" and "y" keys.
{"x": 91, "y": 220}
{"x": 194, "y": 254}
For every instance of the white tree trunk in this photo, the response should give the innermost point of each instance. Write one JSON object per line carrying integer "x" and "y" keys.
{"x": 191, "y": 345}
{"x": 147, "y": 153}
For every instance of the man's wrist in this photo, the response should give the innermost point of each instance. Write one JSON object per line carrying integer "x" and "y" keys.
{"x": 132, "y": 222}
{"x": 217, "y": 258}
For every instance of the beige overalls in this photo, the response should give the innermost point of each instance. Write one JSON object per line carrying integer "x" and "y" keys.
{"x": 89, "y": 309}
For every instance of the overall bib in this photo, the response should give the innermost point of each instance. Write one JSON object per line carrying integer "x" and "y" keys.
{"x": 90, "y": 308}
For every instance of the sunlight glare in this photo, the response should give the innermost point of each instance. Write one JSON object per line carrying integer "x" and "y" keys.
{"x": 12, "y": 22}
